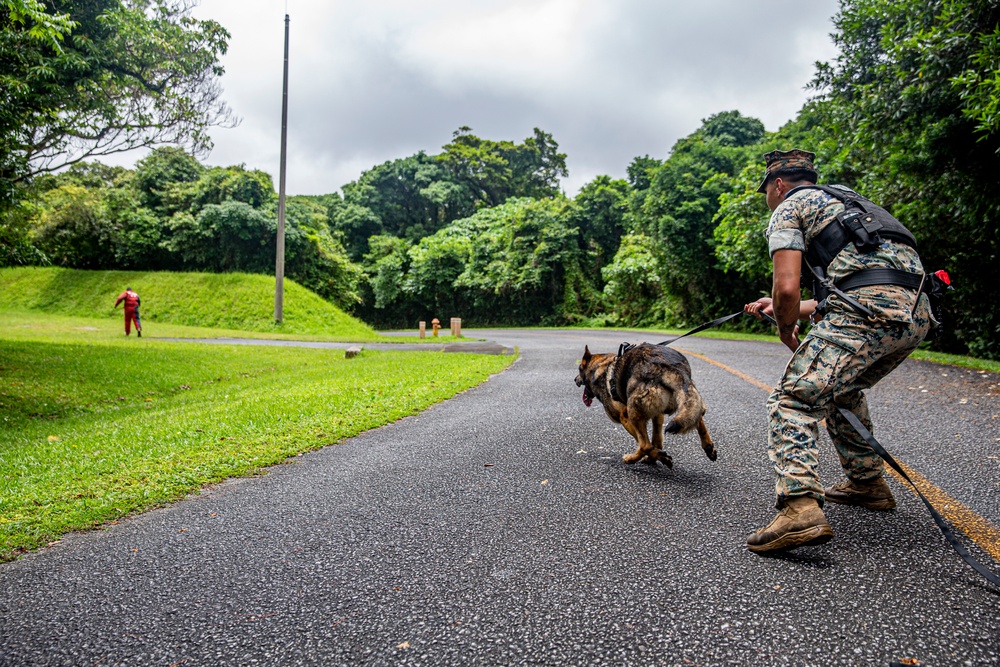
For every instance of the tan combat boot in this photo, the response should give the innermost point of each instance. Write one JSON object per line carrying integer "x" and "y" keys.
{"x": 875, "y": 495}
{"x": 800, "y": 523}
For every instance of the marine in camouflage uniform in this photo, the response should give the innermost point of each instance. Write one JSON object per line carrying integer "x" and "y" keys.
{"x": 843, "y": 354}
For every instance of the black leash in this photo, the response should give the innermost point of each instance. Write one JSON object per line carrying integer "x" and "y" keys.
{"x": 938, "y": 519}
{"x": 715, "y": 323}
{"x": 625, "y": 347}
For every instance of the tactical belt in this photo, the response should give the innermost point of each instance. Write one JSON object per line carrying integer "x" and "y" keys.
{"x": 869, "y": 277}
{"x": 866, "y": 278}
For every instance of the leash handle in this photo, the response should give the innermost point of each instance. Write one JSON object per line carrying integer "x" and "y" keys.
{"x": 938, "y": 519}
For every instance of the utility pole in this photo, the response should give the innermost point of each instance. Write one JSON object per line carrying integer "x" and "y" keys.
{"x": 279, "y": 263}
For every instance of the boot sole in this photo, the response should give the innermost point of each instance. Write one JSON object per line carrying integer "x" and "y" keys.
{"x": 812, "y": 536}
{"x": 877, "y": 505}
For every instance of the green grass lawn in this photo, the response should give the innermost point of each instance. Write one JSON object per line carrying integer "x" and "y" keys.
{"x": 95, "y": 426}
{"x": 227, "y": 301}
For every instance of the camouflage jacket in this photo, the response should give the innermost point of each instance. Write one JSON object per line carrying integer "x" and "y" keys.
{"x": 802, "y": 215}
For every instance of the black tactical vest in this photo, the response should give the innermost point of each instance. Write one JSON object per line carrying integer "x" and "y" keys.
{"x": 862, "y": 222}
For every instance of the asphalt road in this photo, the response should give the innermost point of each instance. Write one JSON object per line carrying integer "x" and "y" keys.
{"x": 502, "y": 528}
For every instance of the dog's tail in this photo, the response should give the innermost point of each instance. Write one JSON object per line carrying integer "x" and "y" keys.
{"x": 690, "y": 409}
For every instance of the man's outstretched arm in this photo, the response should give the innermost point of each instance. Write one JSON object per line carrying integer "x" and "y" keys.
{"x": 786, "y": 296}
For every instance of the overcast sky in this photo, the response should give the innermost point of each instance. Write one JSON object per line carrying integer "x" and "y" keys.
{"x": 609, "y": 79}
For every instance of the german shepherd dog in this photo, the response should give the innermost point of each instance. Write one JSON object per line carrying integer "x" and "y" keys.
{"x": 642, "y": 383}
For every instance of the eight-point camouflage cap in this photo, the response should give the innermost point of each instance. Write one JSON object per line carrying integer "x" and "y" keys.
{"x": 793, "y": 159}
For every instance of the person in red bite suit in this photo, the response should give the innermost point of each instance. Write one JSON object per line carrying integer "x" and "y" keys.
{"x": 131, "y": 300}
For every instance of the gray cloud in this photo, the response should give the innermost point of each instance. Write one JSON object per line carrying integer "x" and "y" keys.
{"x": 375, "y": 81}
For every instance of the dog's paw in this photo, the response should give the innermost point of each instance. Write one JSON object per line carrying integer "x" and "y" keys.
{"x": 631, "y": 458}
{"x": 710, "y": 451}
{"x": 673, "y": 426}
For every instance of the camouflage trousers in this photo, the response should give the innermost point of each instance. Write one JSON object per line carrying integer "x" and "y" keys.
{"x": 840, "y": 357}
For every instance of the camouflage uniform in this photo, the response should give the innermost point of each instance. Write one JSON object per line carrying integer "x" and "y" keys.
{"x": 841, "y": 356}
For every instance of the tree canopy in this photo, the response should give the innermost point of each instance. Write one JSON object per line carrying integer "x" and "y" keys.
{"x": 912, "y": 104}
{"x": 95, "y": 77}
{"x": 416, "y": 196}
{"x": 908, "y": 114}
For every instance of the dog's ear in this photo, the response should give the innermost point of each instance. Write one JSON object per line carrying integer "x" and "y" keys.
{"x": 586, "y": 353}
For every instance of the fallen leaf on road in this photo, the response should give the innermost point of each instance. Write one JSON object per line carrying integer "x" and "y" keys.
{"x": 403, "y": 645}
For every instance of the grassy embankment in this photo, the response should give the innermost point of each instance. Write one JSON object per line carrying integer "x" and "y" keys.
{"x": 225, "y": 303}
{"x": 95, "y": 426}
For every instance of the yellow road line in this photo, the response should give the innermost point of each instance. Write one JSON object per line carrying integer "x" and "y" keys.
{"x": 977, "y": 528}
{"x": 742, "y": 376}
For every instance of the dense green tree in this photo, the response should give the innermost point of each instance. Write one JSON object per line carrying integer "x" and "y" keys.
{"x": 436, "y": 262}
{"x": 217, "y": 185}
{"x": 912, "y": 103}
{"x": 16, "y": 245}
{"x": 678, "y": 212}
{"x": 95, "y": 77}
{"x": 315, "y": 258}
{"x": 385, "y": 267}
{"x": 416, "y": 196}
{"x": 520, "y": 258}
{"x": 731, "y": 128}
{"x": 162, "y": 171}
{"x": 599, "y": 217}
{"x": 409, "y": 198}
{"x": 640, "y": 172}
{"x": 494, "y": 171}
{"x": 89, "y": 216}
{"x": 73, "y": 230}
{"x": 516, "y": 263}
{"x": 232, "y": 236}
{"x": 632, "y": 284}
{"x": 138, "y": 242}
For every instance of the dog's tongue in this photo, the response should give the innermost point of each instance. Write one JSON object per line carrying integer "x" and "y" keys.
{"x": 587, "y": 400}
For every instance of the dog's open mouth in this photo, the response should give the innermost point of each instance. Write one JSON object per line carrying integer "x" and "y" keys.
{"x": 588, "y": 396}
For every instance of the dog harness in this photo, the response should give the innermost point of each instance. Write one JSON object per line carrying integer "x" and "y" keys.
{"x": 612, "y": 381}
